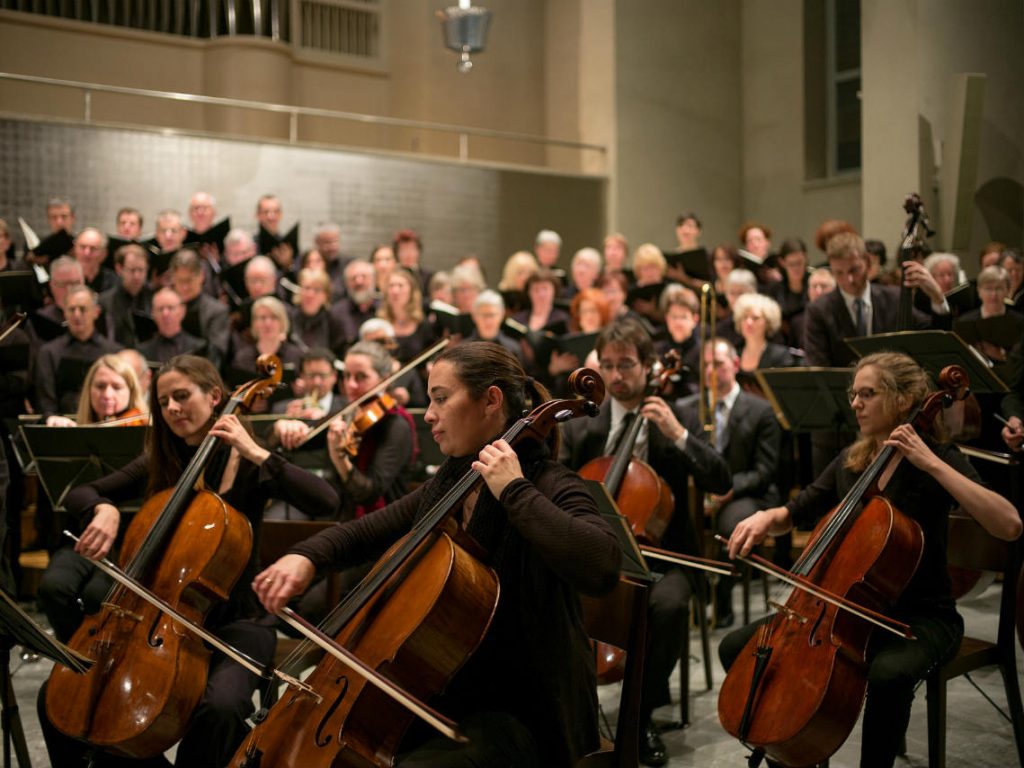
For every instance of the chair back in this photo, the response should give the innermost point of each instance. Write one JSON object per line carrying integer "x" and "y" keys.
{"x": 620, "y": 619}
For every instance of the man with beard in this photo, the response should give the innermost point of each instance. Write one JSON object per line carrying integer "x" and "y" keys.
{"x": 359, "y": 303}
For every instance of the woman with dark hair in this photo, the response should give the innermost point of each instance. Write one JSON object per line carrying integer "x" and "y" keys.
{"x": 190, "y": 395}
{"x": 924, "y": 480}
{"x": 542, "y": 288}
{"x": 527, "y": 696}
{"x": 791, "y": 291}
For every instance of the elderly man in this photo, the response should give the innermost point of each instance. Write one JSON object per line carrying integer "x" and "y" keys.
{"x": 584, "y": 269}
{"x": 170, "y": 232}
{"x": 90, "y": 251}
{"x": 170, "y": 340}
{"x": 239, "y": 246}
{"x": 48, "y": 321}
{"x": 260, "y": 277}
{"x": 327, "y": 242}
{"x": 205, "y": 317}
{"x": 61, "y": 364}
{"x": 202, "y": 209}
{"x": 359, "y": 303}
{"x": 130, "y": 295}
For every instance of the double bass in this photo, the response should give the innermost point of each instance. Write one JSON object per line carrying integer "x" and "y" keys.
{"x": 795, "y": 691}
{"x": 188, "y": 547}
{"x": 422, "y": 610}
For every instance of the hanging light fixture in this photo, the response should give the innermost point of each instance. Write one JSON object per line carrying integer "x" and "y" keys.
{"x": 465, "y": 31}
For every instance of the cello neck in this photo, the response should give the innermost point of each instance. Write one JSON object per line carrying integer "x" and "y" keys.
{"x": 623, "y": 455}
{"x": 184, "y": 491}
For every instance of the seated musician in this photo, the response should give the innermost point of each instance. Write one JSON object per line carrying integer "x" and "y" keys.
{"x": 110, "y": 391}
{"x": 675, "y": 446}
{"x": 527, "y": 695}
{"x": 376, "y": 475}
{"x": 61, "y": 363}
{"x": 190, "y": 394}
{"x": 924, "y": 481}
{"x": 748, "y": 436}
{"x": 1013, "y": 402}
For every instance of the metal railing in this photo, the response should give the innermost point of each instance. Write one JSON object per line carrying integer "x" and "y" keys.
{"x": 463, "y": 133}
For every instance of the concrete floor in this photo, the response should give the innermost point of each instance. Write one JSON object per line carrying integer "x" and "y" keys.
{"x": 978, "y": 737}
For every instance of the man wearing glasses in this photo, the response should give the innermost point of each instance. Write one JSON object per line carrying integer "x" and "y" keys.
{"x": 673, "y": 443}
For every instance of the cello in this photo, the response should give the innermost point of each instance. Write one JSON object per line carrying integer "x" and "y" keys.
{"x": 188, "y": 547}
{"x": 641, "y": 494}
{"x": 796, "y": 690}
{"x": 421, "y": 611}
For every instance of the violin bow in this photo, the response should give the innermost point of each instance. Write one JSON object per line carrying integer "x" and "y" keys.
{"x": 898, "y": 628}
{"x": 424, "y": 356}
{"x": 688, "y": 561}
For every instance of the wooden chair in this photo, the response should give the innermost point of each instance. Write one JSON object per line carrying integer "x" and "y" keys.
{"x": 972, "y": 547}
{"x": 620, "y": 619}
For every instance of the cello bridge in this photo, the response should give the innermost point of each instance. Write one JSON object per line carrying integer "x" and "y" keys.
{"x": 298, "y": 686}
{"x": 789, "y": 613}
{"x": 121, "y": 613}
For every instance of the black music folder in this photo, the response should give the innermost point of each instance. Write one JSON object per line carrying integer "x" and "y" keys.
{"x": 213, "y": 236}
{"x": 809, "y": 399}
{"x": 1002, "y": 330}
{"x": 22, "y": 629}
{"x": 933, "y": 351}
{"x": 633, "y": 563}
{"x": 696, "y": 263}
{"x": 66, "y": 457}
{"x": 267, "y": 241}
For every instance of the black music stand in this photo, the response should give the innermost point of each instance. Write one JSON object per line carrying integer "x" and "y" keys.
{"x": 65, "y": 457}
{"x": 18, "y": 628}
{"x": 809, "y": 399}
{"x": 633, "y": 564}
{"x": 933, "y": 351}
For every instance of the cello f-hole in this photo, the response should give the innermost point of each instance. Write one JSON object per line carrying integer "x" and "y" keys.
{"x": 154, "y": 640}
{"x": 812, "y": 637}
{"x": 320, "y": 739}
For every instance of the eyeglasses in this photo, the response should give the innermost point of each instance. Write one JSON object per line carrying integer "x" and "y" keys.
{"x": 864, "y": 393}
{"x": 624, "y": 366}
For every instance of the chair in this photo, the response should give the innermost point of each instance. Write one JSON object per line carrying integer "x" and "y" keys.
{"x": 276, "y": 538}
{"x": 972, "y": 547}
{"x": 620, "y": 619}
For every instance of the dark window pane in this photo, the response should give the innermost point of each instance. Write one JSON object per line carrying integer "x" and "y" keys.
{"x": 847, "y": 16}
{"x": 848, "y": 125}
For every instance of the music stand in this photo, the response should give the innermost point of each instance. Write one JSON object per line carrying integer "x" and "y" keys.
{"x": 809, "y": 399}
{"x": 633, "y": 564}
{"x": 18, "y": 628}
{"x": 66, "y": 457}
{"x": 933, "y": 351}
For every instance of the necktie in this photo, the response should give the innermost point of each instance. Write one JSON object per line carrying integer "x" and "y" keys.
{"x": 627, "y": 422}
{"x": 860, "y": 319}
{"x": 721, "y": 422}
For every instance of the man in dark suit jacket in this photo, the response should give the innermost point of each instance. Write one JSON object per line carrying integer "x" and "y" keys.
{"x": 205, "y": 317}
{"x": 748, "y": 436}
{"x": 675, "y": 446}
{"x": 855, "y": 308}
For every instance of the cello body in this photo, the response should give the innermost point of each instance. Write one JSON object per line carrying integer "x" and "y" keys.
{"x": 418, "y": 630}
{"x": 811, "y": 689}
{"x": 150, "y": 673}
{"x": 641, "y": 495}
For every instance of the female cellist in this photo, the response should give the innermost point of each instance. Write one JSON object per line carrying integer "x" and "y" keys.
{"x": 190, "y": 395}
{"x": 527, "y": 695}
{"x": 924, "y": 481}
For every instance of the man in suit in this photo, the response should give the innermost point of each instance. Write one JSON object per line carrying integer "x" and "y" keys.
{"x": 673, "y": 443}
{"x": 170, "y": 340}
{"x": 130, "y": 294}
{"x": 205, "y": 317}
{"x": 748, "y": 436}
{"x": 856, "y": 308}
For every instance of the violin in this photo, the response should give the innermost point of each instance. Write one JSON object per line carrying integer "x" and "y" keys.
{"x": 130, "y": 417}
{"x": 796, "y": 689}
{"x": 368, "y": 416}
{"x": 422, "y": 610}
{"x": 187, "y": 547}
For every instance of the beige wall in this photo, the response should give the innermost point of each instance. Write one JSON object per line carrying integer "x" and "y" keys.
{"x": 677, "y": 114}
{"x": 912, "y": 52}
